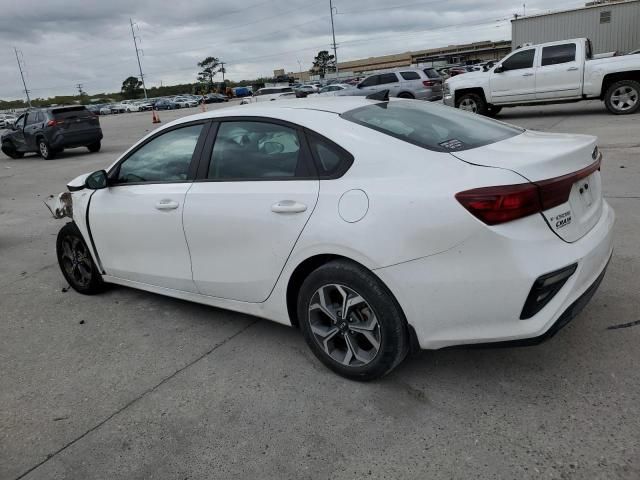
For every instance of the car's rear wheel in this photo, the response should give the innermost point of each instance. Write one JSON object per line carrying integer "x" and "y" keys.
{"x": 351, "y": 321}
{"x": 94, "y": 147}
{"x": 623, "y": 97}
{"x": 10, "y": 151}
{"x": 45, "y": 150}
{"x": 75, "y": 261}
{"x": 472, "y": 102}
{"x": 405, "y": 95}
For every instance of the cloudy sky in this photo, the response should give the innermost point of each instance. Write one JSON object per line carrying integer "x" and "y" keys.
{"x": 65, "y": 42}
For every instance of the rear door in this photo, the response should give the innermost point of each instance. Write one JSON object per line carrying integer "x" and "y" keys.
{"x": 515, "y": 81}
{"x": 560, "y": 73}
{"x": 244, "y": 214}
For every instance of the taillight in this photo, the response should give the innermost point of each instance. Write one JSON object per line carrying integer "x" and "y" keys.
{"x": 495, "y": 205}
{"x": 54, "y": 122}
{"x": 429, "y": 83}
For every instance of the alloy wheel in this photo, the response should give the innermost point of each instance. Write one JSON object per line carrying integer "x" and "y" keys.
{"x": 344, "y": 325}
{"x": 469, "y": 105}
{"x": 76, "y": 261}
{"x": 624, "y": 98}
{"x": 44, "y": 150}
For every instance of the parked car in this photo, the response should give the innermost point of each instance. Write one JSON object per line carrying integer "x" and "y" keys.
{"x": 508, "y": 253}
{"x": 6, "y": 120}
{"x": 404, "y": 83}
{"x": 185, "y": 102}
{"x": 165, "y": 104}
{"x": 48, "y": 131}
{"x": 634, "y": 52}
{"x": 549, "y": 73}
{"x": 303, "y": 90}
{"x": 268, "y": 94}
{"x": 106, "y": 110}
{"x": 334, "y": 90}
{"x": 215, "y": 98}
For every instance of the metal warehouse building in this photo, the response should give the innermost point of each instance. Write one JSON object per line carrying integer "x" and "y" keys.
{"x": 611, "y": 26}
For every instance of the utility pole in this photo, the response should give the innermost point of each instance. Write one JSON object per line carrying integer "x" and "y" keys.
{"x": 300, "y": 67}
{"x": 333, "y": 34}
{"x": 26, "y": 90}
{"x": 135, "y": 44}
{"x": 222, "y": 70}
{"x": 79, "y": 86}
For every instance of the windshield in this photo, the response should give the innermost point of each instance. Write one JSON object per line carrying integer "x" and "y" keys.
{"x": 434, "y": 127}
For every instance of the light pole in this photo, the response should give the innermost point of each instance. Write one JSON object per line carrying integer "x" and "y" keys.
{"x": 333, "y": 34}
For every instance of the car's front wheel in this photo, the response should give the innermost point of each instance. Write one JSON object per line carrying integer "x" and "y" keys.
{"x": 472, "y": 102}
{"x": 75, "y": 261}
{"x": 351, "y": 321}
{"x": 45, "y": 150}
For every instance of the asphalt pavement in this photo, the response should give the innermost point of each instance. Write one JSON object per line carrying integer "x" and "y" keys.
{"x": 132, "y": 385}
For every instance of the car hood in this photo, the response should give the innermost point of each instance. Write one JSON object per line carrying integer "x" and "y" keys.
{"x": 466, "y": 76}
{"x": 535, "y": 155}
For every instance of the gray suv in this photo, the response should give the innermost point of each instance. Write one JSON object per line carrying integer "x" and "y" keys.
{"x": 413, "y": 82}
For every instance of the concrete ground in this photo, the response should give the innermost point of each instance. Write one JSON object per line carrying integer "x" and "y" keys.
{"x": 131, "y": 385}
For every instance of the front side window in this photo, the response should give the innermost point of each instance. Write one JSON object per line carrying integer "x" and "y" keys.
{"x": 433, "y": 127}
{"x": 166, "y": 158}
{"x": 20, "y": 122}
{"x": 255, "y": 150}
{"x": 517, "y": 61}
{"x": 559, "y": 54}
{"x": 370, "y": 82}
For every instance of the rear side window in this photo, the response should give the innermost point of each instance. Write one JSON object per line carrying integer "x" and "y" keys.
{"x": 410, "y": 75}
{"x": 332, "y": 161}
{"x": 558, "y": 54}
{"x": 434, "y": 127}
{"x": 387, "y": 78}
{"x": 431, "y": 73}
{"x": 523, "y": 59}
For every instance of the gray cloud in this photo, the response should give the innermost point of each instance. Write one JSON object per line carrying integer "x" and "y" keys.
{"x": 69, "y": 41}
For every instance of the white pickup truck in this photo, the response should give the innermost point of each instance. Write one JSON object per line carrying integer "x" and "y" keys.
{"x": 554, "y": 72}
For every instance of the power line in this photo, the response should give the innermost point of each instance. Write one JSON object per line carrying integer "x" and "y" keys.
{"x": 26, "y": 90}
{"x": 135, "y": 44}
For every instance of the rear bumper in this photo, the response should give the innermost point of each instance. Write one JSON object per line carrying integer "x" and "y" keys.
{"x": 474, "y": 293}
{"x": 76, "y": 139}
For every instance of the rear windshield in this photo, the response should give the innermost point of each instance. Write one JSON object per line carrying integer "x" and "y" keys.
{"x": 69, "y": 112}
{"x": 434, "y": 127}
{"x": 431, "y": 73}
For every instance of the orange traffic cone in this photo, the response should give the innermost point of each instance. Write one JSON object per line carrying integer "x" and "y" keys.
{"x": 155, "y": 117}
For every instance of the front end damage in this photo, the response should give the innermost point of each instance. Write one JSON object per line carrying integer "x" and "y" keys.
{"x": 60, "y": 205}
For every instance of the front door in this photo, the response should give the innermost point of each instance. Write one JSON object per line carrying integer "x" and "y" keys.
{"x": 136, "y": 222}
{"x": 243, "y": 218}
{"x": 17, "y": 137}
{"x": 514, "y": 79}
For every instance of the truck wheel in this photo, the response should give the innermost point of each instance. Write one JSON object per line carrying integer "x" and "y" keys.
{"x": 45, "y": 150}
{"x": 493, "y": 111}
{"x": 10, "y": 150}
{"x": 623, "y": 97}
{"x": 94, "y": 147}
{"x": 472, "y": 102}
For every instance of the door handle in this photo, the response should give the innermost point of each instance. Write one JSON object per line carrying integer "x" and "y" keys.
{"x": 166, "y": 204}
{"x": 288, "y": 206}
{"x": 572, "y": 69}
{"x": 527, "y": 74}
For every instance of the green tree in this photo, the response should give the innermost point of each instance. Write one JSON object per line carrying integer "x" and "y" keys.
{"x": 130, "y": 87}
{"x": 323, "y": 63}
{"x": 209, "y": 68}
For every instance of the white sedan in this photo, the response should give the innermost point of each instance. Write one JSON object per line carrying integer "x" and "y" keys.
{"x": 374, "y": 226}
{"x": 336, "y": 90}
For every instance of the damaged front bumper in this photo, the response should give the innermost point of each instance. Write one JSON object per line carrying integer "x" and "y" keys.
{"x": 60, "y": 205}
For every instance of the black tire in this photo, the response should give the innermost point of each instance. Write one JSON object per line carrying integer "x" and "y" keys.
{"x": 472, "y": 102}
{"x": 630, "y": 102}
{"x": 406, "y": 95}
{"x": 493, "y": 111}
{"x": 94, "y": 147}
{"x": 10, "y": 151}
{"x": 378, "y": 303}
{"x": 75, "y": 261}
{"x": 45, "y": 150}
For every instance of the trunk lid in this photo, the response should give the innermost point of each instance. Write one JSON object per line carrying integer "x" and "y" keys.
{"x": 75, "y": 119}
{"x": 559, "y": 164}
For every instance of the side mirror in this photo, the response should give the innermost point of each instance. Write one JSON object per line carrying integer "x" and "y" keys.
{"x": 498, "y": 69}
{"x": 97, "y": 180}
